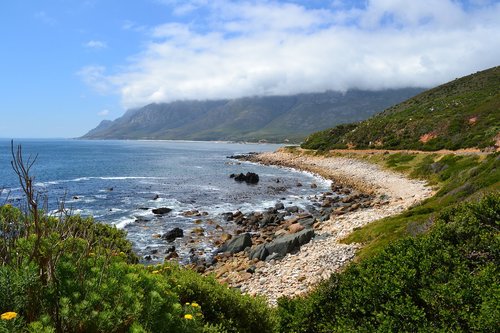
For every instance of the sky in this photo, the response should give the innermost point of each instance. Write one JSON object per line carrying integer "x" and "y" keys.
{"x": 66, "y": 65}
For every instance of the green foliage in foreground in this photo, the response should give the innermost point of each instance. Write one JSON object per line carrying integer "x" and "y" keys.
{"x": 447, "y": 280}
{"x": 81, "y": 276}
{"x": 460, "y": 114}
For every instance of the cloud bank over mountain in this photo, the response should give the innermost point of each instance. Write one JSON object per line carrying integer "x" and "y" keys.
{"x": 225, "y": 49}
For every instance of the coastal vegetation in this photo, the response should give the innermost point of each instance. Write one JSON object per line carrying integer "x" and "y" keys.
{"x": 443, "y": 281}
{"x": 432, "y": 268}
{"x": 460, "y": 114}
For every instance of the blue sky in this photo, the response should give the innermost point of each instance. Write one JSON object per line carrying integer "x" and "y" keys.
{"x": 66, "y": 64}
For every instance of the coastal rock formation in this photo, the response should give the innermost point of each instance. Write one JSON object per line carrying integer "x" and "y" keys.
{"x": 237, "y": 244}
{"x": 173, "y": 234}
{"x": 283, "y": 245}
{"x": 161, "y": 211}
{"x": 249, "y": 178}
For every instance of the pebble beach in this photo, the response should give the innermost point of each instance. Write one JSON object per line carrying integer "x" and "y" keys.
{"x": 300, "y": 272}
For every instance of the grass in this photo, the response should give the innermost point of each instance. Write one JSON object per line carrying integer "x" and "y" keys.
{"x": 460, "y": 114}
{"x": 456, "y": 178}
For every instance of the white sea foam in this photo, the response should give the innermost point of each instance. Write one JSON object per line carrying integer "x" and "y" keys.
{"x": 124, "y": 221}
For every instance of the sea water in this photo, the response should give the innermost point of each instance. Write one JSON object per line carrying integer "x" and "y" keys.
{"x": 120, "y": 182}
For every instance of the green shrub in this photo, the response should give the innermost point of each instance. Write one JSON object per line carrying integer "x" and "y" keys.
{"x": 446, "y": 280}
{"x": 95, "y": 287}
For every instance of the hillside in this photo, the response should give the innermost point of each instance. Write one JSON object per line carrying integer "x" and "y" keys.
{"x": 464, "y": 113}
{"x": 272, "y": 118}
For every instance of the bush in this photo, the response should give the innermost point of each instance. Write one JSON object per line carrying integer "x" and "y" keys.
{"x": 446, "y": 280}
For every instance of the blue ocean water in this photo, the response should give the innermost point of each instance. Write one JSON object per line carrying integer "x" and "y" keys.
{"x": 117, "y": 183}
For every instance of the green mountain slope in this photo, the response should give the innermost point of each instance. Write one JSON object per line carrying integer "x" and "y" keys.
{"x": 273, "y": 118}
{"x": 464, "y": 113}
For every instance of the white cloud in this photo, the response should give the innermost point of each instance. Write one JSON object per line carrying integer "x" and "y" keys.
{"x": 103, "y": 113}
{"x": 95, "y": 44}
{"x": 268, "y": 47}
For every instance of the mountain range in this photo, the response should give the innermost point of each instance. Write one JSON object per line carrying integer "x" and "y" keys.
{"x": 271, "y": 118}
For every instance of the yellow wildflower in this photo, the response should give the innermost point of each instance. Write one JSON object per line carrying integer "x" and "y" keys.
{"x": 8, "y": 315}
{"x": 187, "y": 303}
{"x": 195, "y": 305}
{"x": 156, "y": 272}
{"x": 188, "y": 316}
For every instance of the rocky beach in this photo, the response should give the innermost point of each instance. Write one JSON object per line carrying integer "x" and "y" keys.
{"x": 285, "y": 251}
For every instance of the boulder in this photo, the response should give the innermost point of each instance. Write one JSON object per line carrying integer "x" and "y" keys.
{"x": 279, "y": 206}
{"x": 279, "y": 247}
{"x": 259, "y": 252}
{"x": 292, "y": 209}
{"x": 268, "y": 218}
{"x": 296, "y": 227}
{"x": 289, "y": 243}
{"x": 173, "y": 234}
{"x": 307, "y": 222}
{"x": 249, "y": 178}
{"x": 161, "y": 211}
{"x": 237, "y": 244}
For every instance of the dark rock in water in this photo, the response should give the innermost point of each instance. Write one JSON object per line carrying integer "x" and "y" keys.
{"x": 143, "y": 208}
{"x": 147, "y": 257}
{"x": 279, "y": 206}
{"x": 249, "y": 178}
{"x": 172, "y": 255}
{"x": 313, "y": 185}
{"x": 193, "y": 257}
{"x": 170, "y": 249}
{"x": 142, "y": 219}
{"x": 173, "y": 234}
{"x": 232, "y": 175}
{"x": 237, "y": 244}
{"x": 75, "y": 197}
{"x": 279, "y": 247}
{"x": 228, "y": 216}
{"x": 276, "y": 189}
{"x": 242, "y": 156}
{"x": 156, "y": 197}
{"x": 161, "y": 211}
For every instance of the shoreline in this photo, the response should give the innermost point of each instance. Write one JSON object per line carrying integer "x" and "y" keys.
{"x": 299, "y": 273}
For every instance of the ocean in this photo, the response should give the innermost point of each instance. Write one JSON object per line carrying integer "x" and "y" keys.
{"x": 120, "y": 182}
